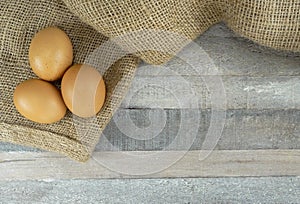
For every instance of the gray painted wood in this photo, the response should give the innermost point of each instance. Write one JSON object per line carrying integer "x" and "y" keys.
{"x": 243, "y": 130}
{"x": 164, "y": 191}
{"x": 241, "y": 92}
{"x": 156, "y": 164}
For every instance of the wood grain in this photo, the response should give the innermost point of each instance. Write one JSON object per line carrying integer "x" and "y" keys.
{"x": 234, "y": 163}
{"x": 178, "y": 92}
{"x": 243, "y": 130}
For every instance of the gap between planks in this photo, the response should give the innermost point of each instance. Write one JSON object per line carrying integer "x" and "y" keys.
{"x": 221, "y": 163}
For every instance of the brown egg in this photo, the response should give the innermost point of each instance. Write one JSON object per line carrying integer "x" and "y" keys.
{"x": 50, "y": 53}
{"x": 39, "y": 101}
{"x": 83, "y": 90}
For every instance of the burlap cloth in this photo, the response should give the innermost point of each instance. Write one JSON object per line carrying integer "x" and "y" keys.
{"x": 20, "y": 20}
{"x": 273, "y": 23}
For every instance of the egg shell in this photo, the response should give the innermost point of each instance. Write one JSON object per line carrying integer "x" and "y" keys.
{"x": 83, "y": 90}
{"x": 39, "y": 101}
{"x": 50, "y": 53}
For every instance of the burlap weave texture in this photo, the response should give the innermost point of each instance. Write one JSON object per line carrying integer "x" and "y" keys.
{"x": 20, "y": 20}
{"x": 272, "y": 23}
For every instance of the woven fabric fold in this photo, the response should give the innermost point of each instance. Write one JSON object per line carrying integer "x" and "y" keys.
{"x": 272, "y": 23}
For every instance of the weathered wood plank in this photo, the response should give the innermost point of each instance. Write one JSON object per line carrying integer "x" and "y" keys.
{"x": 177, "y": 92}
{"x": 35, "y": 166}
{"x": 243, "y": 130}
{"x": 159, "y": 191}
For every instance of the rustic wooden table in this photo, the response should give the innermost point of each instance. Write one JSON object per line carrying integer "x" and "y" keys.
{"x": 158, "y": 133}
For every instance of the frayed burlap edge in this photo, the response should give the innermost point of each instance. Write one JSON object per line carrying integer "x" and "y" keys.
{"x": 16, "y": 134}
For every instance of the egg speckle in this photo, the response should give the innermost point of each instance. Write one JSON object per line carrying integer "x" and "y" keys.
{"x": 50, "y": 53}
{"x": 39, "y": 101}
{"x": 83, "y": 90}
